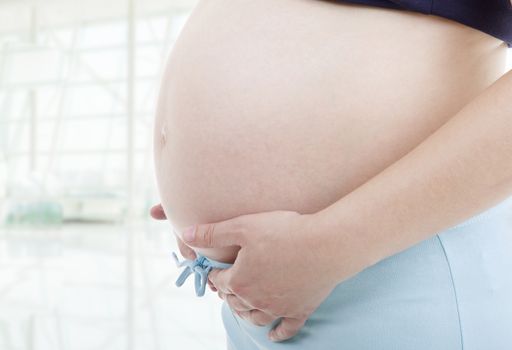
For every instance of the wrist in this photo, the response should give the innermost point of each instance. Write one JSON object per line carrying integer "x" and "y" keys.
{"x": 342, "y": 243}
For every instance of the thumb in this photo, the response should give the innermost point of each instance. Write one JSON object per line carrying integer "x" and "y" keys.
{"x": 214, "y": 235}
{"x": 287, "y": 328}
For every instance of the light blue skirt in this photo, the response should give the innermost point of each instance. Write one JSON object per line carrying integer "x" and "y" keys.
{"x": 449, "y": 292}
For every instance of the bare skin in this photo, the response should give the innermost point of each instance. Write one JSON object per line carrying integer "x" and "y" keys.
{"x": 293, "y": 104}
{"x": 457, "y": 172}
{"x": 283, "y": 109}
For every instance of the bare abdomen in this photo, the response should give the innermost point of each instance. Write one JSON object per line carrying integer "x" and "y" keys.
{"x": 292, "y": 104}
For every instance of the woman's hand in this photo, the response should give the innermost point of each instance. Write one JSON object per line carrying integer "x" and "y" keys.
{"x": 285, "y": 266}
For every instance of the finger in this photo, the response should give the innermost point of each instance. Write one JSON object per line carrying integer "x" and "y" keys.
{"x": 212, "y": 287}
{"x": 236, "y": 303}
{"x": 215, "y": 235}
{"x": 221, "y": 295}
{"x": 220, "y": 279}
{"x": 157, "y": 212}
{"x": 185, "y": 250}
{"x": 287, "y": 328}
{"x": 256, "y": 317}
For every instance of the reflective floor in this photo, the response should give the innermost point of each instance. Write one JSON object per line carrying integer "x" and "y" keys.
{"x": 100, "y": 287}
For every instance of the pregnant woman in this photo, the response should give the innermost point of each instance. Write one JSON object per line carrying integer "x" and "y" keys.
{"x": 345, "y": 169}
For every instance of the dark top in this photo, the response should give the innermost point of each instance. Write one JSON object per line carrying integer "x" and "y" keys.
{"x": 493, "y": 17}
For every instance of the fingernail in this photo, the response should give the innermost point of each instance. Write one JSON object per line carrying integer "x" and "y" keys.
{"x": 189, "y": 233}
{"x": 272, "y": 336}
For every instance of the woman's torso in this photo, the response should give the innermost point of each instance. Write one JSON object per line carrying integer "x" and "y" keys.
{"x": 292, "y": 104}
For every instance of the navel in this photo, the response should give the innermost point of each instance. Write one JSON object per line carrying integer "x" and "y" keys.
{"x": 163, "y": 136}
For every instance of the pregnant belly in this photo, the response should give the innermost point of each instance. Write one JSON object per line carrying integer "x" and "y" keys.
{"x": 292, "y": 104}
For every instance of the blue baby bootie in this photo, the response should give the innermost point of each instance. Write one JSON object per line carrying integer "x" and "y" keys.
{"x": 201, "y": 266}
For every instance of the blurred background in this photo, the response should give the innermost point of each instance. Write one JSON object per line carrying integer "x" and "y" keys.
{"x": 82, "y": 266}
